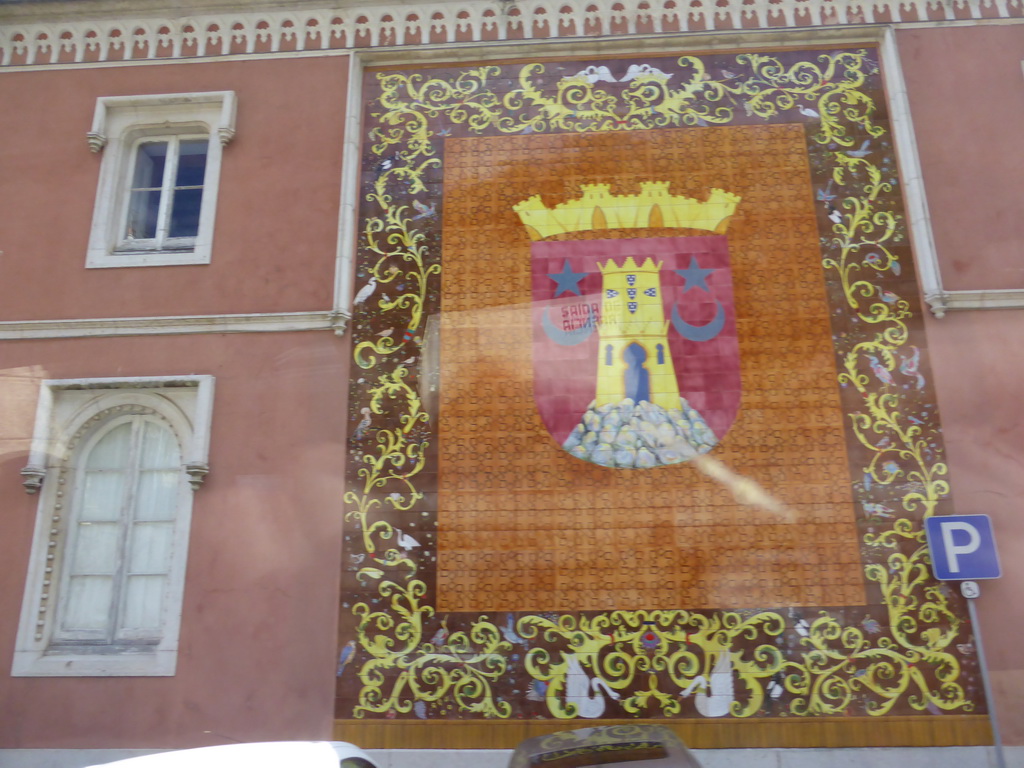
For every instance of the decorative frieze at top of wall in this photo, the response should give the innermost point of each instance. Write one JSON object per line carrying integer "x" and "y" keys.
{"x": 419, "y": 24}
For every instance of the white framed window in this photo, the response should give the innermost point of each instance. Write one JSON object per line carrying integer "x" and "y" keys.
{"x": 115, "y": 462}
{"x": 165, "y": 194}
{"x": 156, "y": 200}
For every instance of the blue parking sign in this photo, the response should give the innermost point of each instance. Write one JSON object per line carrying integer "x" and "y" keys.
{"x": 962, "y": 547}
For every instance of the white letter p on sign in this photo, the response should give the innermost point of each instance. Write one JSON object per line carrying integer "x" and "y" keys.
{"x": 953, "y": 550}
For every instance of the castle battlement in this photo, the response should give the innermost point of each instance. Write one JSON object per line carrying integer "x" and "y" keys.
{"x": 629, "y": 265}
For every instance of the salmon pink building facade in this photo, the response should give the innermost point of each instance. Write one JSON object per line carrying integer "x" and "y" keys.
{"x": 437, "y": 376}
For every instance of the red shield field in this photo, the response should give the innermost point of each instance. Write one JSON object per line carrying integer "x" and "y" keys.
{"x": 624, "y": 329}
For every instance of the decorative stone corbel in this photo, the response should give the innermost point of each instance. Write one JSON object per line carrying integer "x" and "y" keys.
{"x": 937, "y": 303}
{"x": 339, "y": 322}
{"x": 33, "y": 478}
{"x": 197, "y": 472}
{"x": 96, "y": 141}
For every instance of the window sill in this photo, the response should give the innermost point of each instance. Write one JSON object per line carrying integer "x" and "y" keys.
{"x": 164, "y": 258}
{"x": 136, "y": 663}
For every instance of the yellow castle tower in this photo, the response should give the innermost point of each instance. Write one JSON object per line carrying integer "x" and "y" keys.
{"x": 634, "y": 360}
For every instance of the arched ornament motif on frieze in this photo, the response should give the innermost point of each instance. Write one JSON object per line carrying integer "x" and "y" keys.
{"x": 905, "y": 649}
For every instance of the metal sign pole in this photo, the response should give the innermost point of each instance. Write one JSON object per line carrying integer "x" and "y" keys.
{"x": 971, "y": 591}
{"x": 955, "y": 558}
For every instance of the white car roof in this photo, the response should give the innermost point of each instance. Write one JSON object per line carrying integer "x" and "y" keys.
{"x": 265, "y": 754}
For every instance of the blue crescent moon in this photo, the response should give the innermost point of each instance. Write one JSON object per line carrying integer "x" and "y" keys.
{"x": 568, "y": 338}
{"x": 699, "y": 332}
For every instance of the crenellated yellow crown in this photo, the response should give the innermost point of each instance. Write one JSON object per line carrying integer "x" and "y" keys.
{"x": 653, "y": 207}
{"x": 630, "y": 266}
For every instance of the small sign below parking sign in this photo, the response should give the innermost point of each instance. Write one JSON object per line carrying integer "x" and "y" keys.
{"x": 962, "y": 547}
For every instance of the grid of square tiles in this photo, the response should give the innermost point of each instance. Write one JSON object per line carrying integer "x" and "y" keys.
{"x": 524, "y": 526}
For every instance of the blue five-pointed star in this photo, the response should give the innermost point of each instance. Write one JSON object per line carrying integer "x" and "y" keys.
{"x": 693, "y": 276}
{"x": 567, "y": 280}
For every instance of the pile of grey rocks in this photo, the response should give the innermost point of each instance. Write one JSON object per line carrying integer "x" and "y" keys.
{"x": 640, "y": 435}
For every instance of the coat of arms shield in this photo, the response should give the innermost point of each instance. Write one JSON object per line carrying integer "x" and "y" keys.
{"x": 635, "y": 350}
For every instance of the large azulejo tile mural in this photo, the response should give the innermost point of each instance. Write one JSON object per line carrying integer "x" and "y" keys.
{"x": 642, "y": 424}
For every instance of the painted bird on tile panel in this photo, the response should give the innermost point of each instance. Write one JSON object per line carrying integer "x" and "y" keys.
{"x": 862, "y": 152}
{"x": 877, "y": 512}
{"x": 875, "y": 260}
{"x": 800, "y": 623}
{"x": 910, "y": 366}
{"x": 538, "y": 691}
{"x": 363, "y": 425}
{"x": 423, "y": 211}
{"x": 347, "y": 652}
{"x": 775, "y": 687}
{"x": 441, "y": 636}
{"x": 366, "y": 291}
{"x": 880, "y": 371}
{"x": 405, "y": 541}
{"x": 509, "y": 633}
{"x": 826, "y": 195}
{"x": 386, "y": 164}
{"x": 592, "y": 74}
{"x": 715, "y": 697}
{"x": 871, "y": 626}
{"x": 636, "y": 70}
{"x": 582, "y": 690}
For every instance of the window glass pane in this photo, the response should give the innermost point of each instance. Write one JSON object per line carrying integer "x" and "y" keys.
{"x": 159, "y": 447}
{"x": 143, "y": 602}
{"x": 185, "y": 212}
{"x": 160, "y": 462}
{"x": 103, "y": 487}
{"x": 142, "y": 215}
{"x": 102, "y": 495}
{"x": 149, "y": 165}
{"x": 157, "y": 495}
{"x": 191, "y": 163}
{"x": 150, "y": 548}
{"x": 88, "y": 604}
{"x": 96, "y": 547}
{"x": 111, "y": 451}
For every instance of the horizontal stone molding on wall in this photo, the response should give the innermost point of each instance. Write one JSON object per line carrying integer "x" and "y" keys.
{"x": 269, "y": 322}
{"x": 377, "y": 26}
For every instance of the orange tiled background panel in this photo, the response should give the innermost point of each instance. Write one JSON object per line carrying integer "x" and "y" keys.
{"x": 525, "y": 526}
